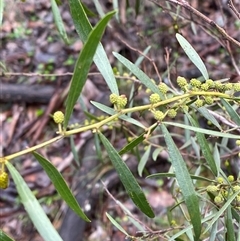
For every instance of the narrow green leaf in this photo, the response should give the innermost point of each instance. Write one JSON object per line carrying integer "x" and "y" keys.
{"x": 83, "y": 65}
{"x": 192, "y": 55}
{"x": 142, "y": 57}
{"x": 235, "y": 214}
{"x": 204, "y": 220}
{"x": 139, "y": 73}
{"x": 229, "y": 225}
{"x": 217, "y": 159}
{"x": 129, "y": 182}
{"x": 195, "y": 147}
{"x": 33, "y": 208}
{"x": 116, "y": 224}
{"x": 88, "y": 12}
{"x": 116, "y": 7}
{"x": 4, "y": 236}
{"x": 74, "y": 151}
{"x": 111, "y": 111}
{"x": 132, "y": 144}
{"x": 173, "y": 175}
{"x": 83, "y": 28}
{"x": 214, "y": 231}
{"x": 201, "y": 130}
{"x": 60, "y": 185}
{"x": 204, "y": 111}
{"x": 143, "y": 161}
{"x": 221, "y": 211}
{"x": 99, "y": 8}
{"x": 59, "y": 22}
{"x": 1, "y": 11}
{"x": 137, "y": 6}
{"x": 234, "y": 115}
{"x": 184, "y": 181}
{"x": 204, "y": 147}
{"x": 156, "y": 152}
{"x": 135, "y": 142}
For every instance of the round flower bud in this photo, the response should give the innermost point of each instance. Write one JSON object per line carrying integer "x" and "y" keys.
{"x": 113, "y": 98}
{"x": 230, "y": 178}
{"x": 220, "y": 180}
{"x": 172, "y": 113}
{"x": 204, "y": 86}
{"x": 159, "y": 115}
{"x": 163, "y": 88}
{"x": 212, "y": 188}
{"x": 226, "y": 163}
{"x": 224, "y": 193}
{"x": 236, "y": 86}
{"x": 195, "y": 82}
{"x": 238, "y": 142}
{"x": 154, "y": 98}
{"x": 185, "y": 108}
{"x": 181, "y": 81}
{"x": 148, "y": 91}
{"x": 3, "y": 180}
{"x": 173, "y": 222}
{"x": 208, "y": 100}
{"x": 218, "y": 200}
{"x": 58, "y": 117}
{"x": 199, "y": 103}
{"x": 210, "y": 83}
{"x": 228, "y": 86}
{"x": 236, "y": 188}
{"x": 122, "y": 101}
{"x": 219, "y": 86}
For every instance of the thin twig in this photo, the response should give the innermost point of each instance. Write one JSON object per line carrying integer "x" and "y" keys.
{"x": 120, "y": 205}
{"x": 66, "y": 74}
{"x": 42, "y": 75}
{"x": 231, "y": 6}
{"x": 233, "y": 59}
{"x": 194, "y": 11}
{"x": 141, "y": 53}
{"x": 224, "y": 120}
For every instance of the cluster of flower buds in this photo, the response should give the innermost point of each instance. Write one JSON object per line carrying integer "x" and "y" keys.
{"x": 222, "y": 190}
{"x": 188, "y": 87}
{"x": 3, "y": 178}
{"x": 197, "y": 85}
{"x": 208, "y": 85}
{"x": 119, "y": 101}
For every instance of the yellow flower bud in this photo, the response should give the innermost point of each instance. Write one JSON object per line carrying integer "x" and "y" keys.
{"x": 218, "y": 200}
{"x": 230, "y": 178}
{"x": 3, "y": 180}
{"x": 220, "y": 180}
{"x": 58, "y": 117}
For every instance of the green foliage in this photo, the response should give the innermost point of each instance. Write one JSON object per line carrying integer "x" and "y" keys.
{"x": 60, "y": 185}
{"x": 4, "y": 236}
{"x": 83, "y": 28}
{"x": 58, "y": 21}
{"x": 184, "y": 181}
{"x": 83, "y": 65}
{"x": 32, "y": 207}
{"x": 128, "y": 180}
{"x": 204, "y": 195}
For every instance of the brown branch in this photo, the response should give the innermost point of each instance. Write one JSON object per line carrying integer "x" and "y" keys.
{"x": 194, "y": 11}
{"x": 42, "y": 75}
{"x": 141, "y": 53}
{"x": 231, "y": 6}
